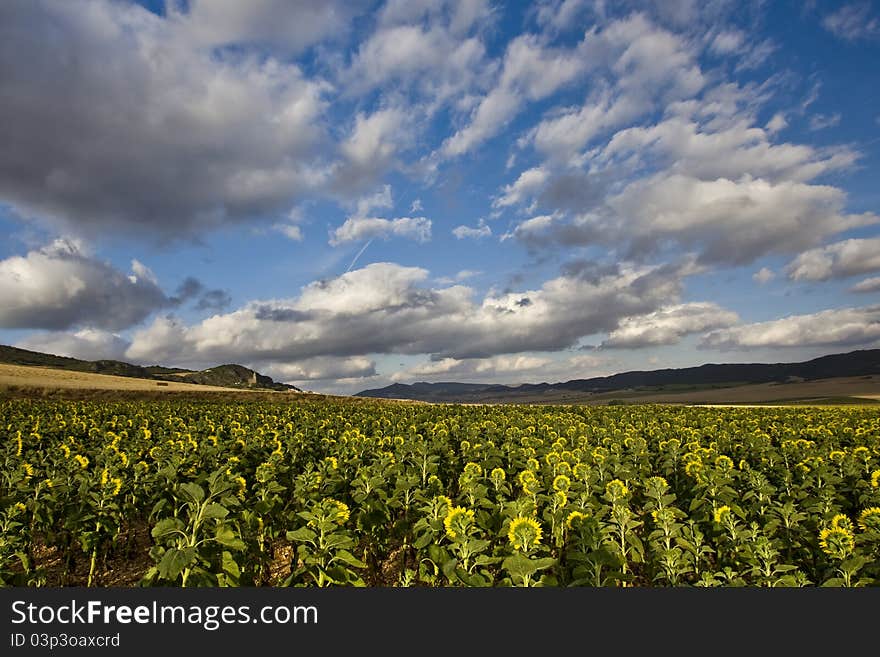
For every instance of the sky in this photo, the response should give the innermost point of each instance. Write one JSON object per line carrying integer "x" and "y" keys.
{"x": 344, "y": 194}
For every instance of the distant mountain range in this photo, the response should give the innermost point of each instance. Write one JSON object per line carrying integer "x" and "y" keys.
{"x": 227, "y": 376}
{"x": 855, "y": 363}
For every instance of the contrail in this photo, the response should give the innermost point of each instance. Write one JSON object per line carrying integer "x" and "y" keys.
{"x": 359, "y": 254}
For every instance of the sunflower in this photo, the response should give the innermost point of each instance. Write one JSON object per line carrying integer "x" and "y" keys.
{"x": 574, "y": 519}
{"x": 341, "y": 511}
{"x": 836, "y": 542}
{"x": 458, "y": 522}
{"x": 616, "y": 490}
{"x": 869, "y": 519}
{"x": 561, "y": 483}
{"x": 524, "y": 533}
{"x": 721, "y": 514}
{"x": 841, "y": 521}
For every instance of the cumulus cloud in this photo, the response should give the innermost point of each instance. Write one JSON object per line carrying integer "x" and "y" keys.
{"x": 530, "y": 71}
{"x": 509, "y": 370}
{"x": 682, "y": 145}
{"x": 649, "y": 65}
{"x": 845, "y": 327}
{"x": 868, "y": 285}
{"x": 839, "y": 260}
{"x": 763, "y": 275}
{"x": 371, "y": 149}
{"x": 287, "y": 25}
{"x": 467, "y": 232}
{"x": 474, "y": 366}
{"x": 320, "y": 369}
{"x": 529, "y": 183}
{"x": 363, "y": 228}
{"x": 730, "y": 222}
{"x": 668, "y": 325}
{"x": 182, "y": 139}
{"x": 85, "y": 344}
{"x": 431, "y": 58}
{"x": 59, "y": 287}
{"x": 385, "y": 308}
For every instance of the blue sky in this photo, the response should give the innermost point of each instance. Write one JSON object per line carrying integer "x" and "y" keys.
{"x": 348, "y": 194}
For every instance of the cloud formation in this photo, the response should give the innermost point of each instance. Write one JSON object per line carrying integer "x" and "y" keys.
{"x": 844, "y": 327}
{"x": 59, "y": 287}
{"x": 180, "y": 140}
{"x": 668, "y": 325}
{"x": 384, "y": 308}
{"x": 838, "y": 260}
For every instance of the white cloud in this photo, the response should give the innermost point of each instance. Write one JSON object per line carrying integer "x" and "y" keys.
{"x": 669, "y": 325}
{"x": 839, "y": 260}
{"x": 529, "y": 183}
{"x": 530, "y": 72}
{"x": 288, "y": 25}
{"x": 182, "y": 140}
{"x": 853, "y": 22}
{"x": 732, "y": 151}
{"x": 846, "y": 327}
{"x": 763, "y": 275}
{"x": 727, "y": 42}
{"x": 729, "y": 221}
{"x": 371, "y": 149}
{"x": 424, "y": 56}
{"x": 363, "y": 228}
{"x": 867, "y": 285}
{"x": 59, "y": 287}
{"x": 86, "y": 344}
{"x": 320, "y": 369}
{"x": 475, "y": 366}
{"x": 823, "y": 121}
{"x": 290, "y": 231}
{"x": 466, "y": 232}
{"x": 776, "y": 124}
{"x": 383, "y": 308}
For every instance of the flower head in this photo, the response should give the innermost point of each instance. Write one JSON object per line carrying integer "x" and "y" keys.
{"x": 524, "y": 533}
{"x": 574, "y": 519}
{"x": 561, "y": 483}
{"x": 458, "y": 522}
{"x": 841, "y": 521}
{"x": 869, "y": 519}
{"x": 722, "y": 513}
{"x": 616, "y": 490}
{"x": 836, "y": 542}
{"x": 342, "y": 512}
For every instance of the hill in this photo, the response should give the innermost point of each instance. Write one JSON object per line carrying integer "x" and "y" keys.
{"x": 642, "y": 383}
{"x": 224, "y": 376}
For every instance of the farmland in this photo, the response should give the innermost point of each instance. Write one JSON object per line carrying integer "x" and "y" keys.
{"x": 350, "y": 493}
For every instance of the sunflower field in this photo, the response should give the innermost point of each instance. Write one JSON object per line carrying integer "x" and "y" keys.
{"x": 366, "y": 493}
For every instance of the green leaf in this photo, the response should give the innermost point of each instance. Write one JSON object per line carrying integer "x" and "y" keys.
{"x": 347, "y": 557}
{"x": 230, "y": 566}
{"x": 193, "y": 492}
{"x": 174, "y": 561}
{"x": 226, "y": 537}
{"x": 519, "y": 566}
{"x": 214, "y": 510}
{"x": 301, "y": 535}
{"x": 167, "y": 526}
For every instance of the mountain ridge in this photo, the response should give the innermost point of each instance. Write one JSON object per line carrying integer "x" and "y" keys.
{"x": 709, "y": 375}
{"x": 229, "y": 375}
